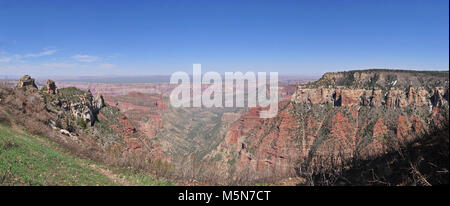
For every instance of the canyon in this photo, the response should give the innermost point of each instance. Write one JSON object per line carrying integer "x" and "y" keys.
{"x": 320, "y": 125}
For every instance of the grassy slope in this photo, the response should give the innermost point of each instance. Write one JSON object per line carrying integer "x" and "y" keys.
{"x": 32, "y": 160}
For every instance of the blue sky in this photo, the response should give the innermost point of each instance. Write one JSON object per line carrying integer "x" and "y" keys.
{"x": 62, "y": 38}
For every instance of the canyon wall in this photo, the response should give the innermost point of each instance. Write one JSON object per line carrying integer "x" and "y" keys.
{"x": 325, "y": 125}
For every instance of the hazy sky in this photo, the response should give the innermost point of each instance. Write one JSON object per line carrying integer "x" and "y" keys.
{"x": 160, "y": 37}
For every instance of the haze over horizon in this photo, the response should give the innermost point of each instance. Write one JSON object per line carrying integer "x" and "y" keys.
{"x": 89, "y": 38}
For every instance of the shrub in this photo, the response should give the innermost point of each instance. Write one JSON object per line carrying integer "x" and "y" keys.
{"x": 5, "y": 121}
{"x": 81, "y": 123}
{"x": 8, "y": 144}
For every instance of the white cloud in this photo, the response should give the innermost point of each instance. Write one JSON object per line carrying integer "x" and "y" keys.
{"x": 5, "y": 59}
{"x": 59, "y": 65}
{"x": 85, "y": 58}
{"x": 46, "y": 52}
{"x": 10, "y": 58}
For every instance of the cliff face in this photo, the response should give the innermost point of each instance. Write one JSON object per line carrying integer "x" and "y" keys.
{"x": 374, "y": 97}
{"x": 382, "y": 79}
{"x": 328, "y": 123}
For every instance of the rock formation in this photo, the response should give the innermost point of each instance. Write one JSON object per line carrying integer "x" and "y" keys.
{"x": 74, "y": 102}
{"x": 50, "y": 87}
{"x": 397, "y": 98}
{"x": 27, "y": 83}
{"x": 99, "y": 102}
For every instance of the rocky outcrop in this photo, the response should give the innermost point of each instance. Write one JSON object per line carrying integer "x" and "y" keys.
{"x": 50, "y": 87}
{"x": 77, "y": 103}
{"x": 376, "y": 99}
{"x": 396, "y": 98}
{"x": 77, "y": 116}
{"x": 418, "y": 96}
{"x": 99, "y": 102}
{"x": 437, "y": 98}
{"x": 27, "y": 83}
{"x": 314, "y": 96}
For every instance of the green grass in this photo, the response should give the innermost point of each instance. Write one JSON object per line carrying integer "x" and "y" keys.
{"x": 32, "y": 160}
{"x": 136, "y": 177}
